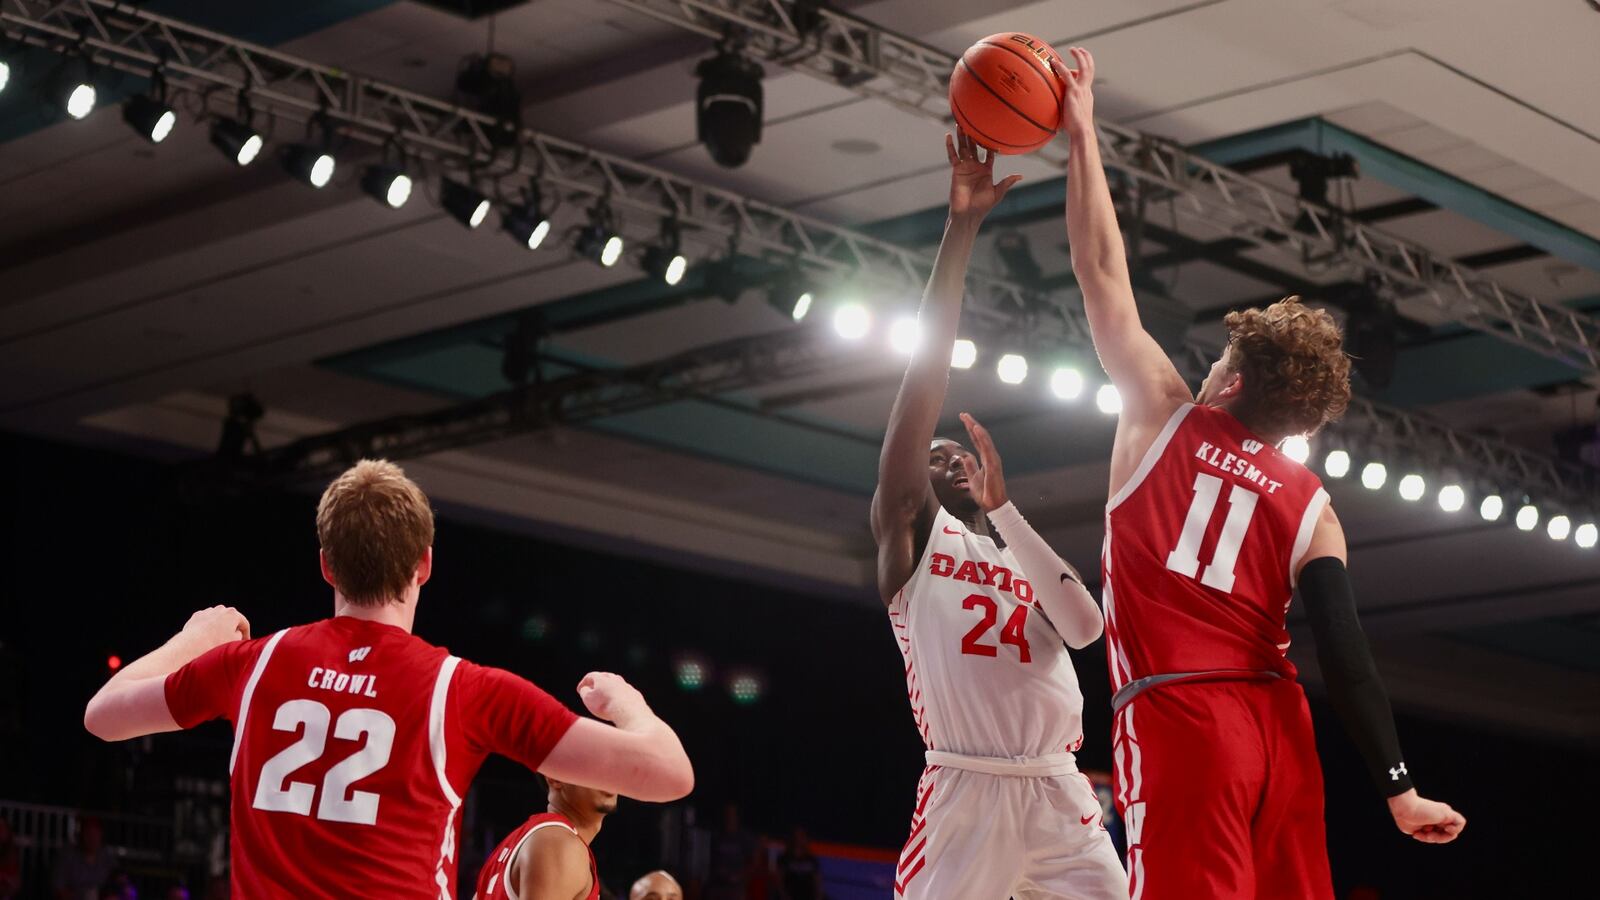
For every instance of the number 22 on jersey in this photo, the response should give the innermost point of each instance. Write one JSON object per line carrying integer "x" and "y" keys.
{"x": 274, "y": 791}
{"x": 1185, "y": 558}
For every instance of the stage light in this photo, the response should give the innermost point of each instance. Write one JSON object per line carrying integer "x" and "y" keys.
{"x": 153, "y": 119}
{"x": 1492, "y": 508}
{"x": 745, "y": 689}
{"x": 963, "y": 354}
{"x": 599, "y": 240}
{"x": 463, "y": 202}
{"x": 665, "y": 263}
{"x": 1336, "y": 464}
{"x": 1066, "y": 383}
{"x": 1296, "y": 447}
{"x": 312, "y": 165}
{"x": 1108, "y": 400}
{"x": 1012, "y": 368}
{"x": 1558, "y": 528}
{"x": 728, "y": 107}
{"x": 1373, "y": 475}
{"x": 527, "y": 223}
{"x": 5, "y": 74}
{"x": 691, "y": 674}
{"x": 802, "y": 305}
{"x": 237, "y": 141}
{"x": 1452, "y": 498}
{"x": 389, "y": 185}
{"x": 535, "y": 627}
{"x": 852, "y": 321}
{"x": 904, "y": 335}
{"x": 1527, "y": 517}
{"x": 113, "y": 662}
{"x": 73, "y": 90}
{"x": 1586, "y": 535}
{"x": 1412, "y": 487}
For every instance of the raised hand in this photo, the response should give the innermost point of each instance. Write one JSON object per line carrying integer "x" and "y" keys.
{"x": 989, "y": 482}
{"x": 1426, "y": 820}
{"x": 611, "y": 697}
{"x": 218, "y": 625}
{"x": 1077, "y": 101}
{"x": 973, "y": 190}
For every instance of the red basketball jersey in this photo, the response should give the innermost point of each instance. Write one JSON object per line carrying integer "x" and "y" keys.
{"x": 1201, "y": 547}
{"x": 492, "y": 883}
{"x": 353, "y": 744}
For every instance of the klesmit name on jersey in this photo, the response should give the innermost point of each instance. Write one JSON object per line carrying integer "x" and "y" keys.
{"x": 343, "y": 683}
{"x": 1236, "y": 464}
{"x": 946, "y": 566}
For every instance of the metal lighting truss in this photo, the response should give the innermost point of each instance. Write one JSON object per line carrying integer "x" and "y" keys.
{"x": 193, "y": 59}
{"x": 869, "y": 60}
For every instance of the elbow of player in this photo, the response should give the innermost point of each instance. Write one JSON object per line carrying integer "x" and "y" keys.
{"x": 96, "y": 722}
{"x": 668, "y": 780}
{"x": 1087, "y": 635}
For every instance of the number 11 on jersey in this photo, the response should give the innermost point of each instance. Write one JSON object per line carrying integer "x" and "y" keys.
{"x": 1185, "y": 558}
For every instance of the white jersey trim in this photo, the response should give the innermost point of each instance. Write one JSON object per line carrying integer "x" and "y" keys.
{"x": 250, "y": 692}
{"x": 1308, "y": 527}
{"x": 1151, "y": 456}
{"x": 511, "y": 888}
{"x": 436, "y": 745}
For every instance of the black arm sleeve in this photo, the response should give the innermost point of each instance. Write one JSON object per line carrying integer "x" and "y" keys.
{"x": 1350, "y": 673}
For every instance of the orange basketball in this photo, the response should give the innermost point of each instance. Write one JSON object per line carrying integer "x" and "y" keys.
{"x": 1004, "y": 94}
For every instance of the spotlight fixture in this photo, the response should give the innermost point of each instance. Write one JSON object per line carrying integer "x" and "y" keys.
{"x": 663, "y": 260}
{"x": 904, "y": 335}
{"x": 1108, "y": 399}
{"x": 963, "y": 354}
{"x": 852, "y": 321}
{"x": 1337, "y": 463}
{"x": 1452, "y": 498}
{"x": 237, "y": 141}
{"x": 1558, "y": 528}
{"x": 1296, "y": 447}
{"x": 728, "y": 107}
{"x": 1373, "y": 475}
{"x": 527, "y": 222}
{"x": 745, "y": 688}
{"x": 5, "y": 73}
{"x": 463, "y": 202}
{"x": 1492, "y": 508}
{"x": 73, "y": 89}
{"x": 790, "y": 294}
{"x": 149, "y": 114}
{"x": 310, "y": 164}
{"x": 1527, "y": 517}
{"x": 388, "y": 184}
{"x": 599, "y": 240}
{"x": 1066, "y": 383}
{"x": 1586, "y": 535}
{"x": 1412, "y": 487}
{"x": 1012, "y": 368}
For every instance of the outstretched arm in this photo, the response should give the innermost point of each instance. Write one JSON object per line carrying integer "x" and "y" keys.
{"x": 1355, "y": 689}
{"x": 1150, "y": 385}
{"x": 903, "y": 493}
{"x": 134, "y": 702}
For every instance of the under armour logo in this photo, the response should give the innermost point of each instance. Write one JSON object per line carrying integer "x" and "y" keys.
{"x": 1394, "y": 774}
{"x": 359, "y": 654}
{"x": 1253, "y": 447}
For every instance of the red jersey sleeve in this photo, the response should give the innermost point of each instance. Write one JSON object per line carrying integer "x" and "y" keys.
{"x": 208, "y": 686}
{"x": 505, "y": 714}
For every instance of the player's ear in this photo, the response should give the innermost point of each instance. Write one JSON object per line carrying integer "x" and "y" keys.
{"x": 327, "y": 573}
{"x": 1231, "y": 386}
{"x": 425, "y": 567}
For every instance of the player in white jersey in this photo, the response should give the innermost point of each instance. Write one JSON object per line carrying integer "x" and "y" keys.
{"x": 1001, "y": 810}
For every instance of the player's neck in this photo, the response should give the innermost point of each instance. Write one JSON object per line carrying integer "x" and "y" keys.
{"x": 401, "y": 614}
{"x": 586, "y": 826}
{"x": 1252, "y": 423}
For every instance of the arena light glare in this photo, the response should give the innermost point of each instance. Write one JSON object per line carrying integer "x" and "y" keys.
{"x": 1558, "y": 528}
{"x": 5, "y": 74}
{"x": 1452, "y": 498}
{"x": 309, "y": 164}
{"x": 963, "y": 354}
{"x": 465, "y": 203}
{"x": 802, "y": 305}
{"x": 237, "y": 141}
{"x": 1012, "y": 368}
{"x": 1492, "y": 508}
{"x": 389, "y": 185}
{"x": 599, "y": 240}
{"x": 1412, "y": 487}
{"x": 1296, "y": 447}
{"x": 152, "y": 118}
{"x": 690, "y": 673}
{"x": 1527, "y": 517}
{"x": 1336, "y": 464}
{"x": 74, "y": 90}
{"x": 852, "y": 321}
{"x": 744, "y": 688}
{"x": 904, "y": 335}
{"x": 1373, "y": 475}
{"x": 665, "y": 263}
{"x": 1108, "y": 399}
{"x": 1066, "y": 383}
{"x": 1586, "y": 535}
{"x": 527, "y": 223}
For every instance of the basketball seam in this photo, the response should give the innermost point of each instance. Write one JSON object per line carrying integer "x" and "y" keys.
{"x": 1025, "y": 117}
{"x": 1028, "y": 58}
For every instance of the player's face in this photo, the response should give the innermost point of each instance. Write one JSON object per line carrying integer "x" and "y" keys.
{"x": 950, "y": 470}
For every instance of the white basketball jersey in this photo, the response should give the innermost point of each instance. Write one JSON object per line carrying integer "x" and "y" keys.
{"x": 986, "y": 672}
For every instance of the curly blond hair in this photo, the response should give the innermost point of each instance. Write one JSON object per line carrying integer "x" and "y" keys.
{"x": 1296, "y": 373}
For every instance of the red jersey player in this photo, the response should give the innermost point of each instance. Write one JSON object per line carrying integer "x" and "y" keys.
{"x": 1209, "y": 530}
{"x": 354, "y": 740}
{"x": 549, "y": 857}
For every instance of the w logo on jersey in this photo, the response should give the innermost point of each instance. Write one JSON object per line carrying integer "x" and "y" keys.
{"x": 1253, "y": 447}
{"x": 359, "y": 654}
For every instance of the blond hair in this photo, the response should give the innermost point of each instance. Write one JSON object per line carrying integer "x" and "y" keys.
{"x": 1296, "y": 373}
{"x": 374, "y": 525}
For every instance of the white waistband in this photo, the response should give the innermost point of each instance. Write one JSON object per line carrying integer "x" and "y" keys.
{"x": 1026, "y": 767}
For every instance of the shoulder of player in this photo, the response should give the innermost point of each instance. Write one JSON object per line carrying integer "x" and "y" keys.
{"x": 553, "y": 847}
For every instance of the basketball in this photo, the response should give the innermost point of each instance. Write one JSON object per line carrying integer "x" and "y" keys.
{"x": 1004, "y": 94}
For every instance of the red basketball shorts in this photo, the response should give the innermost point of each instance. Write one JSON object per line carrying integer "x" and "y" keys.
{"x": 1220, "y": 790}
